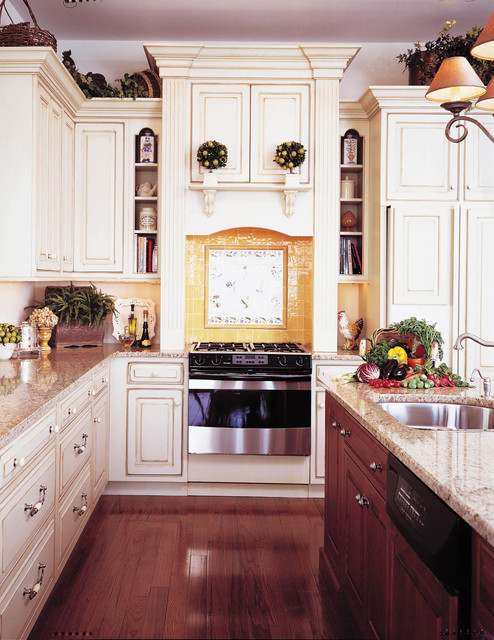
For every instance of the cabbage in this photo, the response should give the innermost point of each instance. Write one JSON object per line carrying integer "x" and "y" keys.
{"x": 368, "y": 371}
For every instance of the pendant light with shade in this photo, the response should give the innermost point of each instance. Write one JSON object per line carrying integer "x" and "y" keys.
{"x": 456, "y": 84}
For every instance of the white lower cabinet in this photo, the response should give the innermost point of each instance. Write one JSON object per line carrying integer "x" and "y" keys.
{"x": 154, "y": 431}
{"x": 73, "y": 514}
{"x": 25, "y": 510}
{"x": 26, "y": 593}
{"x": 335, "y": 368}
{"x": 76, "y": 447}
{"x": 101, "y": 427}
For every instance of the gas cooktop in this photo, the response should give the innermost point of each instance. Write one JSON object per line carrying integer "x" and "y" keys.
{"x": 249, "y": 357}
{"x": 250, "y": 347}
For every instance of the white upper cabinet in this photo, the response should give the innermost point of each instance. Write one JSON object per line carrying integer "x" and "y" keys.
{"x": 479, "y": 162}
{"x": 67, "y": 211}
{"x": 48, "y": 181}
{"x": 251, "y": 120}
{"x": 278, "y": 114}
{"x": 420, "y": 255}
{"x": 99, "y": 164}
{"x": 221, "y": 112}
{"x": 421, "y": 163}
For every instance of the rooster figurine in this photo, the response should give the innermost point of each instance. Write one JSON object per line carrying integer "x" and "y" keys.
{"x": 350, "y": 331}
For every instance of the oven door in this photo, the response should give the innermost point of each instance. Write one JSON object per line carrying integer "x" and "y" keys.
{"x": 250, "y": 416}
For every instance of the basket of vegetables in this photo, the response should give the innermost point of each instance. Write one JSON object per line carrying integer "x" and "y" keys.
{"x": 400, "y": 356}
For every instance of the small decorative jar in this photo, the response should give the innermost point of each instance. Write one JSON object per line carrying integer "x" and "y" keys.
{"x": 146, "y": 147}
{"x": 147, "y": 219}
{"x": 350, "y": 147}
{"x": 347, "y": 189}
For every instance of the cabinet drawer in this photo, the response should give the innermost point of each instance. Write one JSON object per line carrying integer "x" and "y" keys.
{"x": 156, "y": 373}
{"x": 75, "y": 448}
{"x": 26, "y": 511}
{"x": 74, "y": 513}
{"x": 365, "y": 446}
{"x": 75, "y": 403}
{"x": 101, "y": 380}
{"x": 19, "y": 606}
{"x": 21, "y": 452}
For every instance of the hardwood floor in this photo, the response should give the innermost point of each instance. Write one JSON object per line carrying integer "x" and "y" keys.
{"x": 197, "y": 567}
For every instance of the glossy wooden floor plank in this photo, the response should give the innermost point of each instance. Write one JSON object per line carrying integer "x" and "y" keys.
{"x": 198, "y": 567}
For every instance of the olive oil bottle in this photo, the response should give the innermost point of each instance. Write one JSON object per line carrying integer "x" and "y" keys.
{"x": 145, "y": 342}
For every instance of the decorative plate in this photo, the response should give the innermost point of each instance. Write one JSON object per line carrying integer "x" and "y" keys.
{"x": 122, "y": 307}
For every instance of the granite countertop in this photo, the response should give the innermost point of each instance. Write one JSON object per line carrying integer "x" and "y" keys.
{"x": 31, "y": 387}
{"x": 456, "y": 465}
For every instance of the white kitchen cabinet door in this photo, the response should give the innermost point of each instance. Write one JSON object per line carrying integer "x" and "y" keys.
{"x": 278, "y": 114}
{"x": 479, "y": 311}
{"x": 68, "y": 176}
{"x": 154, "y": 432}
{"x": 99, "y": 164}
{"x": 48, "y": 181}
{"x": 221, "y": 112}
{"x": 101, "y": 436}
{"x": 421, "y": 258}
{"x": 421, "y": 163}
{"x": 479, "y": 162}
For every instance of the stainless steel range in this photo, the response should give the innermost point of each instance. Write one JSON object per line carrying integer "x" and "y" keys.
{"x": 249, "y": 398}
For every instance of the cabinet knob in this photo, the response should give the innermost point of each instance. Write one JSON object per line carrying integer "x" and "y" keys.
{"x": 91, "y": 392}
{"x": 19, "y": 462}
{"x": 177, "y": 403}
{"x": 321, "y": 405}
{"x": 336, "y": 424}
{"x": 376, "y": 466}
{"x": 54, "y": 428}
{"x": 104, "y": 380}
{"x": 468, "y": 186}
{"x": 52, "y": 256}
{"x": 345, "y": 432}
{"x": 97, "y": 420}
{"x": 72, "y": 411}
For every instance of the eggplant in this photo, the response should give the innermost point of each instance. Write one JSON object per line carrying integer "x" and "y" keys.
{"x": 389, "y": 368}
{"x": 401, "y": 371}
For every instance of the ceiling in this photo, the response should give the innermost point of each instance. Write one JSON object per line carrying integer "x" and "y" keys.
{"x": 352, "y": 21}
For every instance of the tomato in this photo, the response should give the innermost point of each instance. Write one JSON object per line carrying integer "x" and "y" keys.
{"x": 379, "y": 383}
{"x": 387, "y": 384}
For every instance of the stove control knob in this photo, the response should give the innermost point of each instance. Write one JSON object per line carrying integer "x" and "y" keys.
{"x": 300, "y": 361}
{"x": 216, "y": 359}
{"x": 198, "y": 358}
{"x": 282, "y": 360}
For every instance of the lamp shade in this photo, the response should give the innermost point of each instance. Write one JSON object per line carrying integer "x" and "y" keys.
{"x": 487, "y": 100}
{"x": 454, "y": 81}
{"x": 484, "y": 46}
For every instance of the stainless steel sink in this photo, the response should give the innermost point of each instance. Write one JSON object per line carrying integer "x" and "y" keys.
{"x": 438, "y": 415}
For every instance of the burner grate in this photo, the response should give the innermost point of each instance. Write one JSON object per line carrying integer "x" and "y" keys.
{"x": 277, "y": 347}
{"x": 220, "y": 346}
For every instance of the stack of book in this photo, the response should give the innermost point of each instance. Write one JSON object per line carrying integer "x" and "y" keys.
{"x": 146, "y": 252}
{"x": 350, "y": 262}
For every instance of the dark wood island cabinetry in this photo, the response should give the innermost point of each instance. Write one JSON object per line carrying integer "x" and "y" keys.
{"x": 391, "y": 592}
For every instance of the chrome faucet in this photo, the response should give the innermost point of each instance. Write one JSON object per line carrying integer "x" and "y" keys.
{"x": 458, "y": 344}
{"x": 486, "y": 383}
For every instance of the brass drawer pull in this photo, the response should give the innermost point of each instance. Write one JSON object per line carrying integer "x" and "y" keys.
{"x": 33, "y": 591}
{"x": 34, "y": 508}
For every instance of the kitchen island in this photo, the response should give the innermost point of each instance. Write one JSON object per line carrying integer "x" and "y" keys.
{"x": 398, "y": 573}
{"x": 456, "y": 465}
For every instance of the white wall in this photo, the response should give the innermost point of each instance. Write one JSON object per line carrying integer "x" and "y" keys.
{"x": 375, "y": 64}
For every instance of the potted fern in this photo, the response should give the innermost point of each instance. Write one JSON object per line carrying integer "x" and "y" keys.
{"x": 81, "y": 312}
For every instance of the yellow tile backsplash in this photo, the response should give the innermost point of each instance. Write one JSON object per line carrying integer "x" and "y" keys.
{"x": 299, "y": 294}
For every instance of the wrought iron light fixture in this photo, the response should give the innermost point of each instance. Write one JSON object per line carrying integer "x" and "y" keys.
{"x": 456, "y": 84}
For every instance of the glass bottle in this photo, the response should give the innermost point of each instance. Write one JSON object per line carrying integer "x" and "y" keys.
{"x": 132, "y": 321}
{"x": 145, "y": 339}
{"x": 127, "y": 339}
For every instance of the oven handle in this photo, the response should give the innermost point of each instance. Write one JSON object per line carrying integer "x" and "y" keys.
{"x": 301, "y": 384}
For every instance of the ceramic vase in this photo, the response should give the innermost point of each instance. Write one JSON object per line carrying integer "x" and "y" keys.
{"x": 44, "y": 334}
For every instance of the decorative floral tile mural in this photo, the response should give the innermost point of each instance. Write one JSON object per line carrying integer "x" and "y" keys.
{"x": 296, "y": 324}
{"x": 246, "y": 286}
